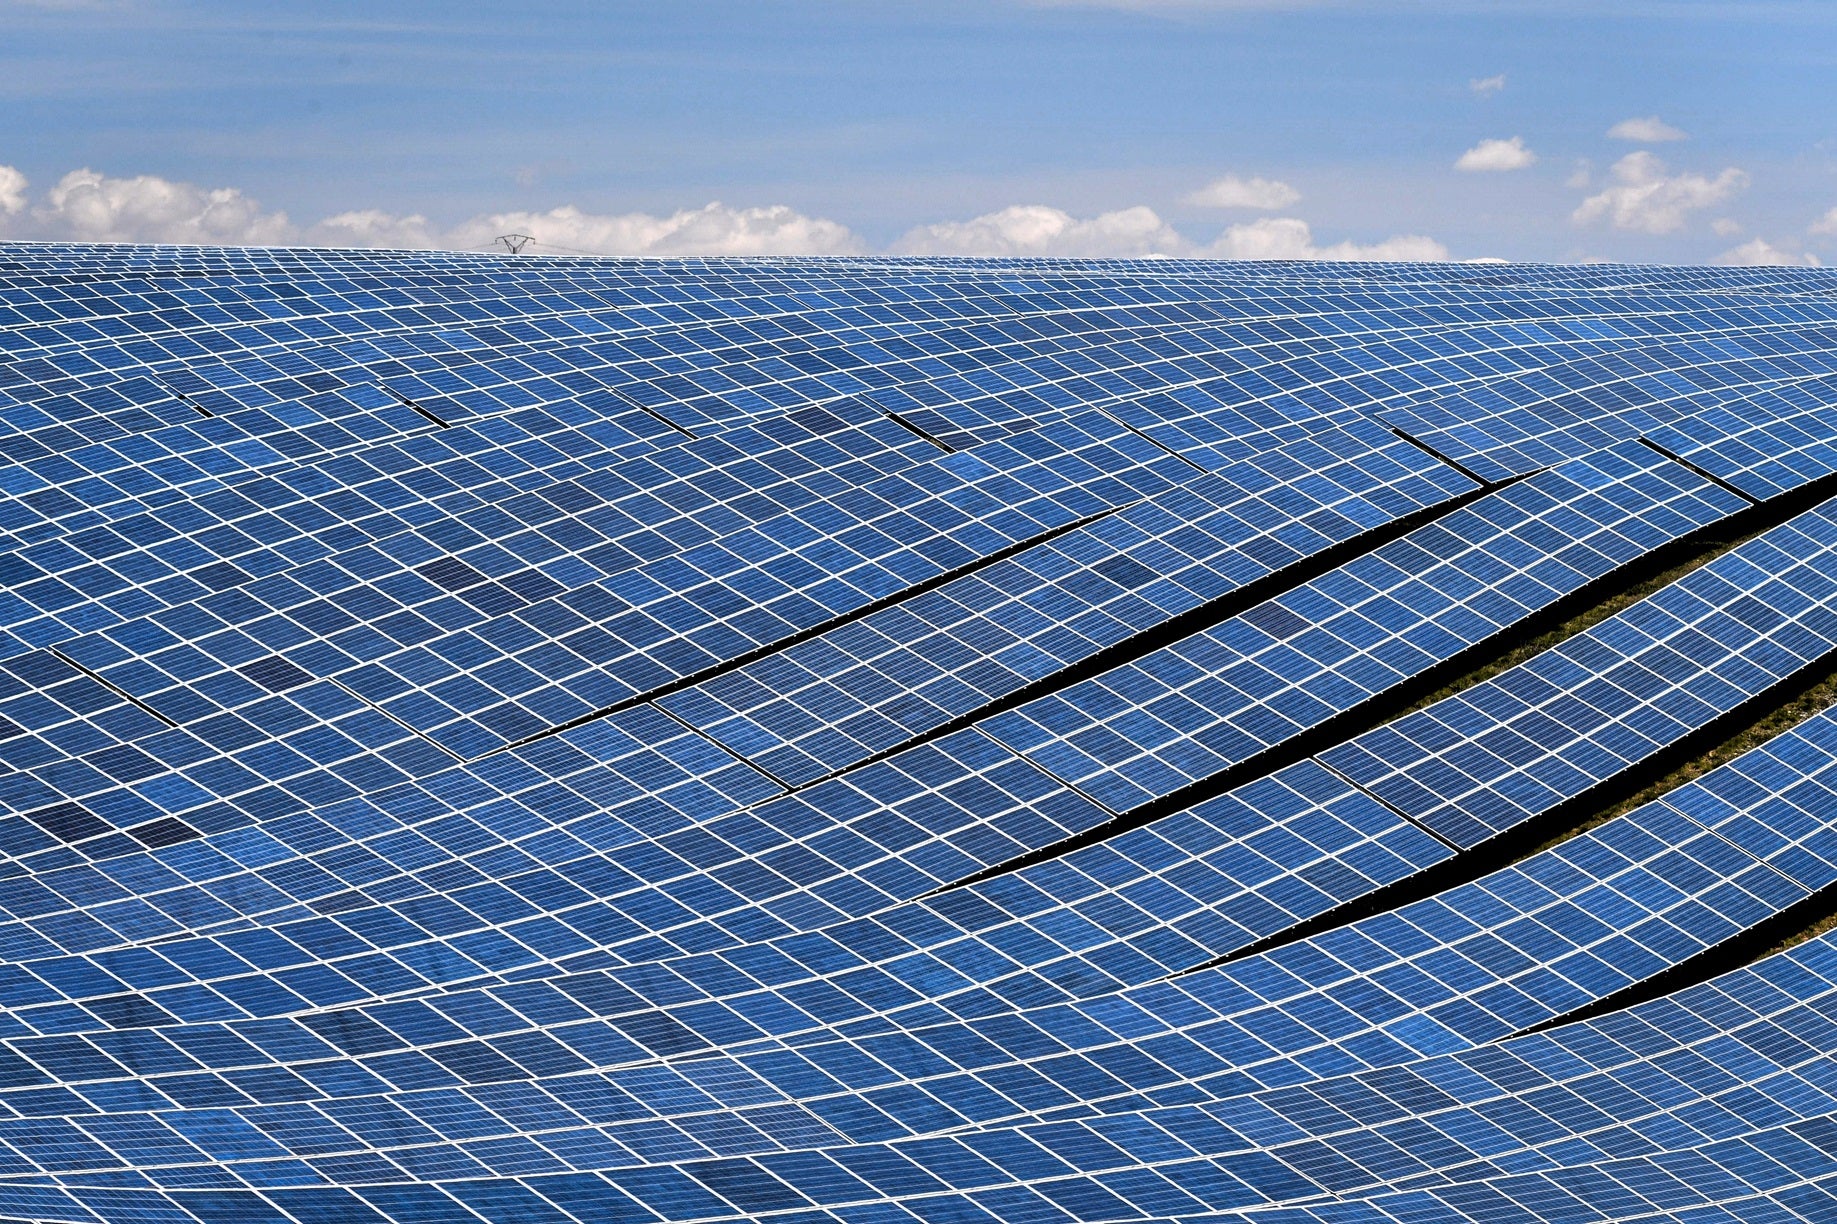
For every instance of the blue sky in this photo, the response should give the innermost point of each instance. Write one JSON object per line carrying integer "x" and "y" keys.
{"x": 1227, "y": 127}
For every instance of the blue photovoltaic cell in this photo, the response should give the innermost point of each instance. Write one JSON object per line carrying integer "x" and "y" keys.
{"x": 496, "y": 678}
{"x": 572, "y": 740}
{"x": 1763, "y": 443}
{"x": 532, "y": 542}
{"x": 1521, "y": 423}
{"x": 1523, "y": 909}
{"x": 828, "y": 703}
{"x": 1220, "y": 697}
{"x": 1512, "y": 747}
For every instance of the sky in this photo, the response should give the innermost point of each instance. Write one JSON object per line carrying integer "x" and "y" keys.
{"x": 1676, "y": 131}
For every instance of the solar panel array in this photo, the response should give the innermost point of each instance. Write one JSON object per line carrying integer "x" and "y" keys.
{"x": 911, "y": 741}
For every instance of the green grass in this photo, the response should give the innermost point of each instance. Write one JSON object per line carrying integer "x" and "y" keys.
{"x": 1619, "y": 601}
{"x": 1766, "y": 727}
{"x": 1778, "y": 718}
{"x": 1790, "y": 713}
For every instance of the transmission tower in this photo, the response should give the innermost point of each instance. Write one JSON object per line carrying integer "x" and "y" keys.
{"x": 514, "y": 243}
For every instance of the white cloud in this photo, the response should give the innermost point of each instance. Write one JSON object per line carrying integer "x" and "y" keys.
{"x": 1234, "y": 192}
{"x": 1582, "y": 175}
{"x": 1291, "y": 238}
{"x": 1725, "y": 227}
{"x": 1648, "y": 129}
{"x": 713, "y": 229}
{"x": 1827, "y": 224}
{"x": 371, "y": 227}
{"x": 1493, "y": 155}
{"x": 1487, "y": 86}
{"x": 1645, "y": 197}
{"x": 1035, "y": 229}
{"x": 90, "y": 207}
{"x": 1137, "y": 232}
{"x": 1758, "y": 252}
{"x": 12, "y": 191}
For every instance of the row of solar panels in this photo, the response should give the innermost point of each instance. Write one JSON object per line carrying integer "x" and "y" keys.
{"x": 145, "y": 533}
{"x": 139, "y": 447}
{"x": 1689, "y": 875}
{"x": 1767, "y": 548}
{"x": 1476, "y": 340}
{"x": 616, "y": 972}
{"x": 122, "y": 775}
{"x": 533, "y": 578}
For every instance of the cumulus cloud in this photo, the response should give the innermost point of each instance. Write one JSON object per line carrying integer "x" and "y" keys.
{"x": 1647, "y": 129}
{"x": 713, "y": 229}
{"x": 1233, "y": 192}
{"x": 1139, "y": 232}
{"x": 371, "y": 227}
{"x": 1827, "y": 224}
{"x": 12, "y": 192}
{"x": 1035, "y": 229}
{"x": 1725, "y": 227}
{"x": 1291, "y": 238}
{"x": 1758, "y": 252}
{"x": 1495, "y": 155}
{"x": 1487, "y": 86}
{"x": 1645, "y": 196}
{"x": 90, "y": 207}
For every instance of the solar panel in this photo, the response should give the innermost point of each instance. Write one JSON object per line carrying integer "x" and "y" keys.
{"x": 621, "y": 637}
{"x": 567, "y": 739}
{"x": 557, "y": 535}
{"x": 1550, "y": 729}
{"x": 1763, "y": 443}
{"x": 833, "y": 701}
{"x": 1677, "y": 863}
{"x": 1223, "y": 696}
{"x": 1519, "y": 425}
